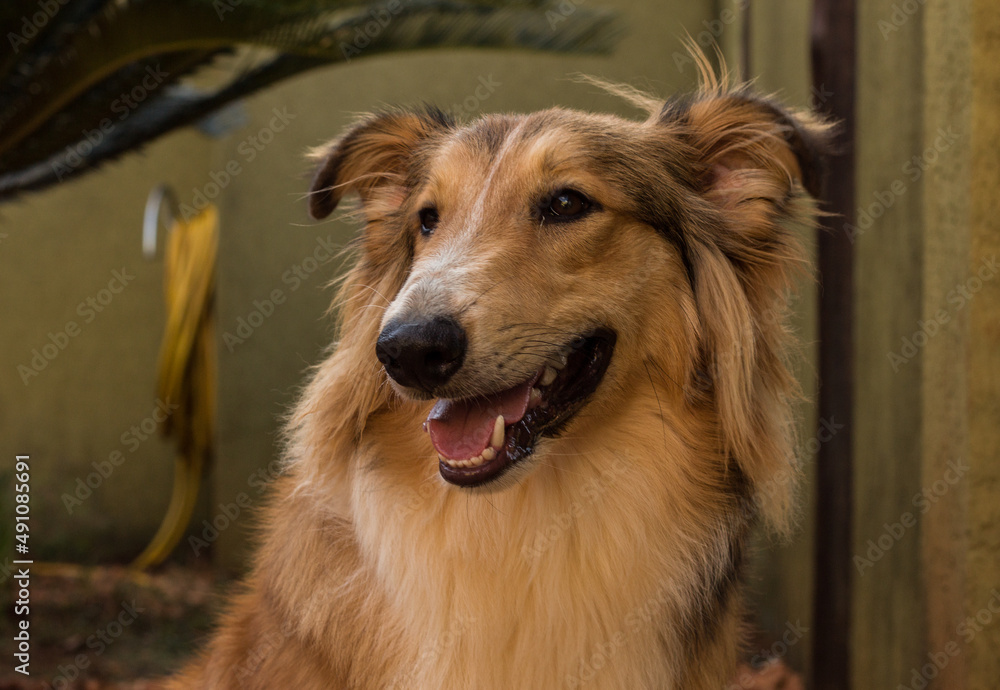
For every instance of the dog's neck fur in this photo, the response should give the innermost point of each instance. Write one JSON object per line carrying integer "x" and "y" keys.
{"x": 482, "y": 579}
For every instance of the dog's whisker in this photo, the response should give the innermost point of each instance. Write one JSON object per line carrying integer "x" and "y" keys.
{"x": 380, "y": 307}
{"x": 484, "y": 292}
{"x": 492, "y": 505}
{"x": 660, "y": 370}
{"x": 659, "y": 406}
{"x": 369, "y": 287}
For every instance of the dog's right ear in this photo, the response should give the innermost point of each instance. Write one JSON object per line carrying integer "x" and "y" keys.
{"x": 375, "y": 154}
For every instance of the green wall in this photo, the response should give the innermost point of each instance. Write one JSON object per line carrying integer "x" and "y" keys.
{"x": 59, "y": 249}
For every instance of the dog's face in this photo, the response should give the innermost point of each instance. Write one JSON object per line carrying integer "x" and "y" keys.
{"x": 527, "y": 265}
{"x": 531, "y": 265}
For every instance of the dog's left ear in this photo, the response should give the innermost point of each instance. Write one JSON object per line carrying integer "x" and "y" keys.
{"x": 375, "y": 155}
{"x": 756, "y": 165}
{"x": 753, "y": 149}
{"x": 380, "y": 159}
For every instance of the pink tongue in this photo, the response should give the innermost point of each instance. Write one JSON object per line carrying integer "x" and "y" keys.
{"x": 461, "y": 429}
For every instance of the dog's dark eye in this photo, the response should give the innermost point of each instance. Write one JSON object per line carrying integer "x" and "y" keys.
{"x": 428, "y": 220}
{"x": 566, "y": 204}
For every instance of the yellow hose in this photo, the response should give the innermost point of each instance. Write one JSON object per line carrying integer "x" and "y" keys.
{"x": 187, "y": 370}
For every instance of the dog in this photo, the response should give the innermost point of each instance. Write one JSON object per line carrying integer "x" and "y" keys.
{"x": 558, "y": 405}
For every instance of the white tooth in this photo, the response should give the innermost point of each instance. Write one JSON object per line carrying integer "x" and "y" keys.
{"x": 548, "y": 377}
{"x": 443, "y": 459}
{"x": 496, "y": 440}
{"x": 489, "y": 453}
{"x": 562, "y": 361}
{"x": 477, "y": 461}
{"x": 534, "y": 397}
{"x": 463, "y": 463}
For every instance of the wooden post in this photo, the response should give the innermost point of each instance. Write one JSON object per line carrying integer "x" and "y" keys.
{"x": 833, "y": 50}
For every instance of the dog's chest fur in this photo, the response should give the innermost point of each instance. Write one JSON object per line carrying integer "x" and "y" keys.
{"x": 569, "y": 579}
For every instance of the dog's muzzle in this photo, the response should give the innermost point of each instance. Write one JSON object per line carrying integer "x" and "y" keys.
{"x": 422, "y": 354}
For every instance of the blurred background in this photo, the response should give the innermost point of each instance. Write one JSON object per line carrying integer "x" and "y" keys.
{"x": 893, "y": 577}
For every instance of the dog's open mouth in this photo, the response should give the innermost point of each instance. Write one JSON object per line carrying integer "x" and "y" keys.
{"x": 480, "y": 438}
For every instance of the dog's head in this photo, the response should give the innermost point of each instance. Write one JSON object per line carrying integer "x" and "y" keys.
{"x": 524, "y": 268}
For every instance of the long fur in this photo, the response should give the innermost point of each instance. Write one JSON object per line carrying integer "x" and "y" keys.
{"x": 613, "y": 559}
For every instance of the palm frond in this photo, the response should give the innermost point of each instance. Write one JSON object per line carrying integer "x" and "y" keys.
{"x": 66, "y": 84}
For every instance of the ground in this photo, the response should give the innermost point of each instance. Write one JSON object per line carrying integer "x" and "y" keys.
{"x": 103, "y": 628}
{"x": 108, "y": 628}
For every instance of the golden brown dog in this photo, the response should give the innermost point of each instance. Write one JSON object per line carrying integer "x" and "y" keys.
{"x": 558, "y": 405}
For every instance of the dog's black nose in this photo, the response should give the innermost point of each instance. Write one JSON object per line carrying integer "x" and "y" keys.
{"x": 422, "y": 354}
